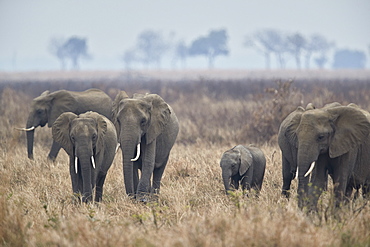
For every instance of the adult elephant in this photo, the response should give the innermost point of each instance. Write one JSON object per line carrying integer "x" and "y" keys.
{"x": 47, "y": 107}
{"x": 147, "y": 128}
{"x": 333, "y": 141}
{"x": 288, "y": 151}
{"x": 90, "y": 140}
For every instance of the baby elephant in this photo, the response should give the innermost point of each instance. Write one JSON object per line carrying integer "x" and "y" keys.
{"x": 244, "y": 164}
{"x": 90, "y": 140}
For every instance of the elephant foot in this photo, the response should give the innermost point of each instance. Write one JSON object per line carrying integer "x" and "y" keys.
{"x": 286, "y": 194}
{"x": 51, "y": 158}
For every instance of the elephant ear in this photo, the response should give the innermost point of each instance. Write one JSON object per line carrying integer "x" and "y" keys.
{"x": 246, "y": 160}
{"x": 293, "y": 120}
{"x": 116, "y": 108}
{"x": 60, "y": 131}
{"x": 160, "y": 115}
{"x": 102, "y": 126}
{"x": 351, "y": 129}
{"x": 60, "y": 101}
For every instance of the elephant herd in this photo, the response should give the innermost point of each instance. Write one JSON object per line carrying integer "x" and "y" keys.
{"x": 315, "y": 143}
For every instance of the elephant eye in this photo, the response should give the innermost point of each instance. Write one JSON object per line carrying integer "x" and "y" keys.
{"x": 39, "y": 111}
{"x": 94, "y": 137}
{"x": 73, "y": 139}
{"x": 143, "y": 121}
{"x": 321, "y": 137}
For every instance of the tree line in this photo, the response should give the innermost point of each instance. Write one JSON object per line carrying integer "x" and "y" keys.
{"x": 152, "y": 46}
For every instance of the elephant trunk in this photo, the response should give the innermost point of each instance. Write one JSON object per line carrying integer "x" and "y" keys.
{"x": 306, "y": 157}
{"x": 226, "y": 178}
{"x": 30, "y": 137}
{"x": 86, "y": 174}
{"x": 128, "y": 146}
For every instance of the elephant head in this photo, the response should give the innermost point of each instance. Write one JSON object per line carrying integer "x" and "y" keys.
{"x": 44, "y": 110}
{"x": 332, "y": 131}
{"x": 82, "y": 138}
{"x": 139, "y": 121}
{"x": 235, "y": 163}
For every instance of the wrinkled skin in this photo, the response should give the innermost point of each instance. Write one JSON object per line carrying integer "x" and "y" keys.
{"x": 47, "y": 107}
{"x": 337, "y": 140}
{"x": 149, "y": 121}
{"x": 288, "y": 151}
{"x": 244, "y": 165}
{"x": 84, "y": 136}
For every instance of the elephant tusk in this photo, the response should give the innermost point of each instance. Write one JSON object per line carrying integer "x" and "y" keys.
{"x": 93, "y": 161}
{"x": 137, "y": 154}
{"x": 118, "y": 145}
{"x": 310, "y": 170}
{"x": 296, "y": 174}
{"x": 76, "y": 164}
{"x": 25, "y": 129}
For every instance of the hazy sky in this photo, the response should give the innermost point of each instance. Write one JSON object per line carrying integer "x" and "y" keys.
{"x": 112, "y": 26}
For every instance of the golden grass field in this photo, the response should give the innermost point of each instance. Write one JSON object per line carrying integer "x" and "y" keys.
{"x": 36, "y": 206}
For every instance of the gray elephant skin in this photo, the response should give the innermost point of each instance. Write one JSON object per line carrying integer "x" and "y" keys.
{"x": 332, "y": 141}
{"x": 47, "y": 107}
{"x": 245, "y": 165}
{"x": 147, "y": 128}
{"x": 90, "y": 140}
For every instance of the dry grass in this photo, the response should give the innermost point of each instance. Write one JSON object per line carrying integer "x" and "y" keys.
{"x": 36, "y": 206}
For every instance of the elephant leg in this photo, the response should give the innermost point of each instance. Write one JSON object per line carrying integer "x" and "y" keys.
{"x": 147, "y": 170}
{"x": 340, "y": 177}
{"x": 246, "y": 181}
{"x": 288, "y": 176}
{"x": 99, "y": 187}
{"x": 157, "y": 175}
{"x": 137, "y": 166}
{"x": 235, "y": 182}
{"x": 55, "y": 147}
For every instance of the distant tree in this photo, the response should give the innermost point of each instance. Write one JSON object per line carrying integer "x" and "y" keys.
{"x": 317, "y": 44}
{"x": 56, "y": 49}
{"x": 73, "y": 49}
{"x": 180, "y": 53}
{"x": 267, "y": 42}
{"x": 210, "y": 46}
{"x": 129, "y": 56}
{"x": 150, "y": 48}
{"x": 321, "y": 61}
{"x": 296, "y": 43}
{"x": 349, "y": 59}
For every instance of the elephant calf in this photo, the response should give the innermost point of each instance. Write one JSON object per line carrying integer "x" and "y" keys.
{"x": 90, "y": 140}
{"x": 245, "y": 165}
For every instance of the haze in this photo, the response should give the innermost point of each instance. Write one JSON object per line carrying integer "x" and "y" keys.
{"x": 111, "y": 27}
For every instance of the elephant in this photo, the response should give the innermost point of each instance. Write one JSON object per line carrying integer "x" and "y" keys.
{"x": 90, "y": 140}
{"x": 245, "y": 165}
{"x": 146, "y": 125}
{"x": 47, "y": 107}
{"x": 331, "y": 140}
{"x": 288, "y": 151}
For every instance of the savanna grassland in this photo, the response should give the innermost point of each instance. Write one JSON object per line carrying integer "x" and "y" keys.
{"x": 215, "y": 114}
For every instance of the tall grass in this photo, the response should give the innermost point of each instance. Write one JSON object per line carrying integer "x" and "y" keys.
{"x": 37, "y": 209}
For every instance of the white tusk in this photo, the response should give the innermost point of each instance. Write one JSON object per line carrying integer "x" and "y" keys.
{"x": 137, "y": 153}
{"x": 76, "y": 164}
{"x": 310, "y": 170}
{"x": 93, "y": 161}
{"x": 296, "y": 174}
{"x": 24, "y": 129}
{"x": 118, "y": 145}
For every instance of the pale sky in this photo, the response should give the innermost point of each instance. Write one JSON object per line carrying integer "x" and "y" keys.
{"x": 112, "y": 26}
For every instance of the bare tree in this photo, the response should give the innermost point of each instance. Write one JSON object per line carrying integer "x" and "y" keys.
{"x": 317, "y": 44}
{"x": 150, "y": 47}
{"x": 73, "y": 49}
{"x": 210, "y": 46}
{"x": 296, "y": 43}
{"x": 267, "y": 42}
